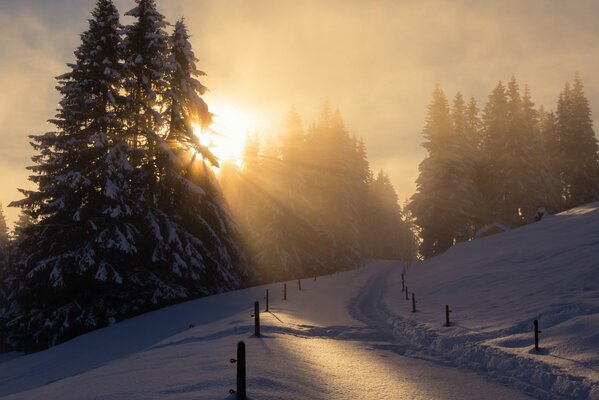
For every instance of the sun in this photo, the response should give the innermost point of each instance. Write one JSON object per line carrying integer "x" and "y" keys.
{"x": 227, "y": 134}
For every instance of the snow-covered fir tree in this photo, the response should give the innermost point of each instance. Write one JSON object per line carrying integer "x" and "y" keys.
{"x": 123, "y": 223}
{"x": 444, "y": 186}
{"x": 386, "y": 235}
{"x": 4, "y": 239}
{"x": 69, "y": 261}
{"x": 577, "y": 146}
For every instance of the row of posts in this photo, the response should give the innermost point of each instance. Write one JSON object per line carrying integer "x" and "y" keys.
{"x": 240, "y": 393}
{"x": 404, "y": 288}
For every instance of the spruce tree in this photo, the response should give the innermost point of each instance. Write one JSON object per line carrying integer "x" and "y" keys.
{"x": 121, "y": 225}
{"x": 70, "y": 261}
{"x": 549, "y": 137}
{"x": 442, "y": 195}
{"x": 4, "y": 243}
{"x": 578, "y": 146}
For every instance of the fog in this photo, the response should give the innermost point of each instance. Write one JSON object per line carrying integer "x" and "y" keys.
{"x": 376, "y": 61}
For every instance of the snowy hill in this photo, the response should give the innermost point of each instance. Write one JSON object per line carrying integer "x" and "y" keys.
{"x": 353, "y": 335}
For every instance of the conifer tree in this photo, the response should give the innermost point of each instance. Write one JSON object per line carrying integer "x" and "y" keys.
{"x": 4, "y": 240}
{"x": 442, "y": 194}
{"x": 386, "y": 234}
{"x": 82, "y": 235}
{"x": 119, "y": 227}
{"x": 549, "y": 137}
{"x": 578, "y": 146}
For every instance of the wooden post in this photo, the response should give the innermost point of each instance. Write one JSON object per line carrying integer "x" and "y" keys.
{"x": 284, "y": 291}
{"x": 537, "y": 331}
{"x": 403, "y": 283}
{"x": 413, "y": 302}
{"x": 266, "y": 300}
{"x": 257, "y": 318}
{"x": 447, "y": 311}
{"x": 299, "y": 284}
{"x": 406, "y": 293}
{"x": 240, "y": 393}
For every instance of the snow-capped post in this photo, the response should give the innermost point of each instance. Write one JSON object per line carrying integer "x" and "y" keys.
{"x": 299, "y": 284}
{"x": 240, "y": 393}
{"x": 413, "y": 302}
{"x": 266, "y": 300}
{"x": 537, "y": 331}
{"x": 447, "y": 311}
{"x": 256, "y": 318}
{"x": 284, "y": 291}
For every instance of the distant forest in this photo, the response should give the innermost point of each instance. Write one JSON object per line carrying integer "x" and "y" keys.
{"x": 504, "y": 165}
{"x": 132, "y": 212}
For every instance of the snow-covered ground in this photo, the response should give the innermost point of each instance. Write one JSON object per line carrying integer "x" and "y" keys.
{"x": 353, "y": 335}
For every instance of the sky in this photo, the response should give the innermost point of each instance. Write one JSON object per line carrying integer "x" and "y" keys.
{"x": 376, "y": 61}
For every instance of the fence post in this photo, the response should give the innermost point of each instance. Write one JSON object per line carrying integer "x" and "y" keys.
{"x": 447, "y": 311}
{"x": 266, "y": 300}
{"x": 299, "y": 284}
{"x": 403, "y": 283}
{"x": 406, "y": 293}
{"x": 537, "y": 331}
{"x": 284, "y": 291}
{"x": 413, "y": 302}
{"x": 257, "y": 318}
{"x": 240, "y": 393}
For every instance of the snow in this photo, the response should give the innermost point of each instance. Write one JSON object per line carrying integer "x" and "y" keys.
{"x": 353, "y": 335}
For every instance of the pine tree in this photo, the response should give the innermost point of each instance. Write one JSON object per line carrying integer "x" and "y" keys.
{"x": 442, "y": 198}
{"x": 549, "y": 137}
{"x": 122, "y": 226}
{"x": 82, "y": 234}
{"x": 4, "y": 240}
{"x": 578, "y": 146}
{"x": 386, "y": 235}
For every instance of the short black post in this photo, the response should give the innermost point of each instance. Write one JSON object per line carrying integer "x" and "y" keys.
{"x": 284, "y": 291}
{"x": 299, "y": 284}
{"x": 413, "y": 302}
{"x": 406, "y": 293}
{"x": 257, "y": 318}
{"x": 537, "y": 331}
{"x": 266, "y": 300}
{"x": 447, "y": 311}
{"x": 403, "y": 283}
{"x": 240, "y": 393}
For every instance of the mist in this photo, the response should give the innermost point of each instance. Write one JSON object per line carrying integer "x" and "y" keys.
{"x": 377, "y": 61}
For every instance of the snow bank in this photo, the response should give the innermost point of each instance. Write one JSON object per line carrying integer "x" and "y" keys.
{"x": 496, "y": 287}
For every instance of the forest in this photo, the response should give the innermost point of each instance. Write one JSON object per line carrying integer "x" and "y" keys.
{"x": 132, "y": 211}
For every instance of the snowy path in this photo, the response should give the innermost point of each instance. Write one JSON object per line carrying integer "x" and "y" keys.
{"x": 330, "y": 341}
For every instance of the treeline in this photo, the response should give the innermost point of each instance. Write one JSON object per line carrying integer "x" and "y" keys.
{"x": 127, "y": 215}
{"x": 501, "y": 166}
{"x": 310, "y": 204}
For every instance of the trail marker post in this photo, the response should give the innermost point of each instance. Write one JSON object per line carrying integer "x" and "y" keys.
{"x": 256, "y": 318}
{"x": 284, "y": 291}
{"x": 299, "y": 284}
{"x": 240, "y": 393}
{"x": 447, "y": 311}
{"x": 537, "y": 331}
{"x": 413, "y": 302}
{"x": 266, "y": 300}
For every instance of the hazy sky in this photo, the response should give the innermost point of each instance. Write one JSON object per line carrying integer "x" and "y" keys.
{"x": 377, "y": 61}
